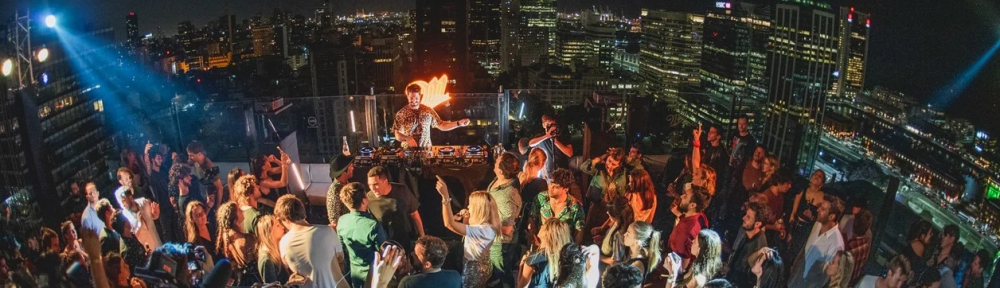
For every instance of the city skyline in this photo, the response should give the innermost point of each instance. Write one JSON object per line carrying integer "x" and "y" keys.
{"x": 900, "y": 34}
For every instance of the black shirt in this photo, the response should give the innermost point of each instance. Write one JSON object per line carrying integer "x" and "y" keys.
{"x": 741, "y": 150}
{"x": 393, "y": 211}
{"x": 440, "y": 279}
{"x": 739, "y": 270}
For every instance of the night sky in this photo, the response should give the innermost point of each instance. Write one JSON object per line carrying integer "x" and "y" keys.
{"x": 917, "y": 46}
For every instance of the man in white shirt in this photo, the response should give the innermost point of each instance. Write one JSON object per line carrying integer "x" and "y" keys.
{"x": 311, "y": 251}
{"x": 899, "y": 271}
{"x": 823, "y": 243}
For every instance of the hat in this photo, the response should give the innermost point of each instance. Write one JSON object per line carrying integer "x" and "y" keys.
{"x": 339, "y": 164}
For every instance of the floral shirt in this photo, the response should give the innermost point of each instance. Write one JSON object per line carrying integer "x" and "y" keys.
{"x": 572, "y": 214}
{"x": 417, "y": 123}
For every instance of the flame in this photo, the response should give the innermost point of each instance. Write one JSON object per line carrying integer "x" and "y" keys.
{"x": 434, "y": 91}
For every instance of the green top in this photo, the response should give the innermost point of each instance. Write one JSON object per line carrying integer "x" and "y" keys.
{"x": 249, "y": 224}
{"x": 509, "y": 206}
{"x": 361, "y": 235}
{"x": 618, "y": 183}
{"x": 572, "y": 215}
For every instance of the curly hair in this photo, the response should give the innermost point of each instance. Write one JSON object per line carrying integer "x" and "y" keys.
{"x": 234, "y": 175}
{"x": 228, "y": 231}
{"x": 244, "y": 188}
{"x": 352, "y": 195}
{"x": 509, "y": 165}
{"x": 178, "y": 171}
{"x": 563, "y": 177}
{"x": 572, "y": 263}
{"x": 435, "y": 250}
{"x": 622, "y": 276}
{"x": 761, "y": 212}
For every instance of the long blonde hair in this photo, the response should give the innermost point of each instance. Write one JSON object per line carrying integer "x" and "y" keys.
{"x": 553, "y": 235}
{"x": 264, "y": 244}
{"x": 845, "y": 267}
{"x": 190, "y": 230}
{"x": 535, "y": 163}
{"x": 649, "y": 241}
{"x": 483, "y": 210}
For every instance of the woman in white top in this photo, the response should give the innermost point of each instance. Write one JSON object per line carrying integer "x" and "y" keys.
{"x": 480, "y": 225}
{"x": 141, "y": 214}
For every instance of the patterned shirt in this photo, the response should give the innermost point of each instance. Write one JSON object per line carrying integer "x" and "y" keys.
{"x": 859, "y": 247}
{"x": 417, "y": 123}
{"x": 572, "y": 214}
{"x": 334, "y": 207}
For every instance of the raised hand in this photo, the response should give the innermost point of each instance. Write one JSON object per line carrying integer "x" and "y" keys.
{"x": 385, "y": 265}
{"x": 442, "y": 188}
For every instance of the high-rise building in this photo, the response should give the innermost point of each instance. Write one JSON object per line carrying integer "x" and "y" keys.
{"x": 378, "y": 61}
{"x": 264, "y": 43}
{"x": 803, "y": 58}
{"x": 485, "y": 34}
{"x": 441, "y": 41}
{"x": 132, "y": 30}
{"x": 187, "y": 34}
{"x": 852, "y": 56}
{"x": 571, "y": 47}
{"x": 601, "y": 43}
{"x": 671, "y": 52}
{"x": 537, "y": 31}
{"x": 333, "y": 69}
{"x": 54, "y": 132}
{"x": 510, "y": 11}
{"x": 734, "y": 60}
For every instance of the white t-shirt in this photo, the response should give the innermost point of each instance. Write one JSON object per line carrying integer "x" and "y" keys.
{"x": 312, "y": 252}
{"x": 867, "y": 282}
{"x": 478, "y": 239}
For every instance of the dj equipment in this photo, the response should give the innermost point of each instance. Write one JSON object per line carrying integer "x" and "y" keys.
{"x": 456, "y": 155}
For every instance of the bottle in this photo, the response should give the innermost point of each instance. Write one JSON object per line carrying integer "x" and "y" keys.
{"x": 347, "y": 149}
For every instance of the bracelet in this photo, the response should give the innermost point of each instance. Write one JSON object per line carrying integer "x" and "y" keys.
{"x": 445, "y": 201}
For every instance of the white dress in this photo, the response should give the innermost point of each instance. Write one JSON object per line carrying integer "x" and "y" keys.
{"x": 312, "y": 252}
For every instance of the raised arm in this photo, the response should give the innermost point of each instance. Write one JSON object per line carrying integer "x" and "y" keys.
{"x": 566, "y": 148}
{"x": 446, "y": 213}
{"x": 281, "y": 182}
{"x": 696, "y": 152}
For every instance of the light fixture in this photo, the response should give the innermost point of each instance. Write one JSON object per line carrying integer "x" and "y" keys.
{"x": 43, "y": 54}
{"x": 50, "y": 21}
{"x": 8, "y": 66}
{"x": 45, "y": 78}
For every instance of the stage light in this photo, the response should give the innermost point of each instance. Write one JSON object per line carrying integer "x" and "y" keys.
{"x": 353, "y": 128}
{"x": 45, "y": 78}
{"x": 50, "y": 21}
{"x": 43, "y": 54}
{"x": 8, "y": 66}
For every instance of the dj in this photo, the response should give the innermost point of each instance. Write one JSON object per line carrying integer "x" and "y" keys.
{"x": 413, "y": 123}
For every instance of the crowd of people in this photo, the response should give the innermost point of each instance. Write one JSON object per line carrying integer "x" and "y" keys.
{"x": 723, "y": 221}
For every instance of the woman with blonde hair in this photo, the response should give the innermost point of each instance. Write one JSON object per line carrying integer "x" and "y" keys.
{"x": 541, "y": 268}
{"x": 839, "y": 270}
{"x": 643, "y": 244}
{"x": 269, "y": 265}
{"x": 196, "y": 225}
{"x": 233, "y": 244}
{"x": 480, "y": 225}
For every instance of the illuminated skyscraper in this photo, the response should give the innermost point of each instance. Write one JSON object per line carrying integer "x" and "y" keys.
{"x": 854, "y": 27}
{"x": 55, "y": 132}
{"x": 509, "y": 20}
{"x": 441, "y": 43}
{"x": 571, "y": 42}
{"x": 734, "y": 59}
{"x": 485, "y": 34}
{"x": 803, "y": 58}
{"x": 537, "y": 32}
{"x": 132, "y": 30}
{"x": 264, "y": 43}
{"x": 671, "y": 52}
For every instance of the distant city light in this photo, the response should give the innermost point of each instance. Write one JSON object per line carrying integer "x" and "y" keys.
{"x": 836, "y": 73}
{"x": 50, "y": 21}
{"x": 8, "y": 65}
{"x": 43, "y": 54}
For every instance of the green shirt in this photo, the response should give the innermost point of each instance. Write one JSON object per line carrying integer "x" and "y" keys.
{"x": 361, "y": 235}
{"x": 509, "y": 205}
{"x": 572, "y": 214}
{"x": 249, "y": 224}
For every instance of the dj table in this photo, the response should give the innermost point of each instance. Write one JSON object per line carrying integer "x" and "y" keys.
{"x": 468, "y": 164}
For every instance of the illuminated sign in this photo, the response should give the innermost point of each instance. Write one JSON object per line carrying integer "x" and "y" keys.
{"x": 433, "y": 91}
{"x": 992, "y": 190}
{"x": 724, "y": 5}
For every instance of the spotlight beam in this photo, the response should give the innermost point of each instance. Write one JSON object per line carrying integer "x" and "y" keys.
{"x": 943, "y": 97}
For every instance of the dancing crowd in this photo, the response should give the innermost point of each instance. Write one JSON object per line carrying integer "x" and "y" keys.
{"x": 729, "y": 218}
